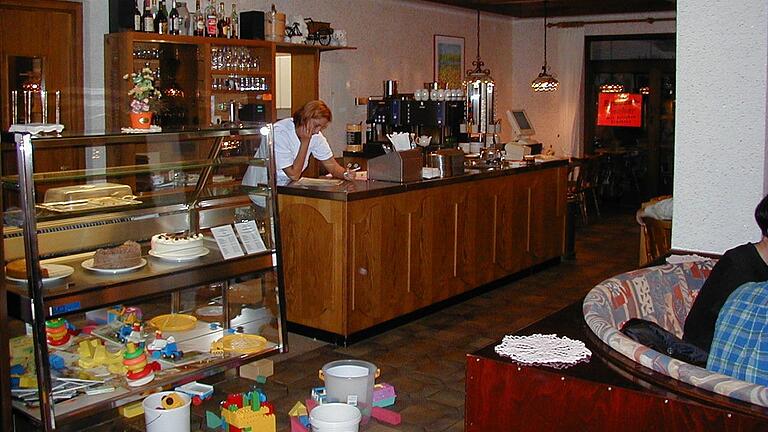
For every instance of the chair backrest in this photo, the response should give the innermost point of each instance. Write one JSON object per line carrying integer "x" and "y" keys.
{"x": 658, "y": 237}
{"x": 575, "y": 175}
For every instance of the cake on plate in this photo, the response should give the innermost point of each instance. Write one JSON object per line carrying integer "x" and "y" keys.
{"x": 17, "y": 269}
{"x": 177, "y": 245}
{"x": 126, "y": 255}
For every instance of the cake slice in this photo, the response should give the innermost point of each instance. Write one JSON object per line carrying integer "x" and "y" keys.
{"x": 17, "y": 269}
{"x": 126, "y": 255}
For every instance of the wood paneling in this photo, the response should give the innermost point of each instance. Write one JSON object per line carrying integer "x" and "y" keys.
{"x": 314, "y": 261}
{"x": 51, "y": 30}
{"x": 410, "y": 250}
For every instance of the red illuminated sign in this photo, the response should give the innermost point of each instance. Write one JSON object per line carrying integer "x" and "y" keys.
{"x": 620, "y": 109}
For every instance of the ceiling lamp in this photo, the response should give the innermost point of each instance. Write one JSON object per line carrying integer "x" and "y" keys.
{"x": 612, "y": 88}
{"x": 544, "y": 82}
{"x": 480, "y": 94}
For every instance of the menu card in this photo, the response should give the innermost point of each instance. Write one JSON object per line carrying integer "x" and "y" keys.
{"x": 250, "y": 236}
{"x": 227, "y": 241}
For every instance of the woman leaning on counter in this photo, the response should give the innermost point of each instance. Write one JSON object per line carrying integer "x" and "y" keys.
{"x": 298, "y": 137}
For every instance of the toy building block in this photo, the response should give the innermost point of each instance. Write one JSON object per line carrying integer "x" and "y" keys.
{"x": 131, "y": 410}
{"x": 319, "y": 395}
{"x": 298, "y": 410}
{"x": 386, "y": 416}
{"x": 297, "y": 426}
{"x": 252, "y": 371}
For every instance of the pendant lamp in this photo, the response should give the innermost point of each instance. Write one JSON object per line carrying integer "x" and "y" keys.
{"x": 544, "y": 82}
{"x": 480, "y": 93}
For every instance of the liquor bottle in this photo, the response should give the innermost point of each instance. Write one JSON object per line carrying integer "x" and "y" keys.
{"x": 161, "y": 19}
{"x": 234, "y": 23}
{"x": 154, "y": 9}
{"x": 198, "y": 21}
{"x": 223, "y": 23}
{"x": 147, "y": 19}
{"x": 175, "y": 22}
{"x": 136, "y": 17}
{"x": 211, "y": 20}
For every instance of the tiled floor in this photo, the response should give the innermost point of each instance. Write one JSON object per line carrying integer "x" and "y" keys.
{"x": 424, "y": 359}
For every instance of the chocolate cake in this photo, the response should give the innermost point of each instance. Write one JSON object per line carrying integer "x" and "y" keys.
{"x": 126, "y": 255}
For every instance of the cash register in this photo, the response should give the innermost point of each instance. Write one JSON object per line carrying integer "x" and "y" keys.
{"x": 523, "y": 144}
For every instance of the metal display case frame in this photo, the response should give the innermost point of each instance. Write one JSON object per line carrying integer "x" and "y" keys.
{"x": 37, "y": 303}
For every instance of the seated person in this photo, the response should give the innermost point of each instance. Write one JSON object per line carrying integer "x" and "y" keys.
{"x": 739, "y": 347}
{"x": 745, "y": 263}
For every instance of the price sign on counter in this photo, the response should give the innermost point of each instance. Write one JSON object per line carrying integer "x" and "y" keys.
{"x": 250, "y": 236}
{"x": 227, "y": 241}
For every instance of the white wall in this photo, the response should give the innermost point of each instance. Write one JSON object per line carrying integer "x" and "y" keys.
{"x": 720, "y": 140}
{"x": 96, "y": 24}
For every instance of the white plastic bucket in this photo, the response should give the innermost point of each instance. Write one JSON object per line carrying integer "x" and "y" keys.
{"x": 350, "y": 381}
{"x": 334, "y": 417}
{"x": 158, "y": 419}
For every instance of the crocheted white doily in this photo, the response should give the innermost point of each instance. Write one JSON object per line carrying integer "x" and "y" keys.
{"x": 542, "y": 349}
{"x": 151, "y": 129}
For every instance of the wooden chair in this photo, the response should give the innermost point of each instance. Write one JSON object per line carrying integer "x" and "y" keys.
{"x": 658, "y": 237}
{"x": 584, "y": 179}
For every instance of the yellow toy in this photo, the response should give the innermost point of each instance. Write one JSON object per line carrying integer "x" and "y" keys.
{"x": 94, "y": 354}
{"x": 171, "y": 401}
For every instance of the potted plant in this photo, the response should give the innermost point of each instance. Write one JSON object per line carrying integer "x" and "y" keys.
{"x": 142, "y": 95}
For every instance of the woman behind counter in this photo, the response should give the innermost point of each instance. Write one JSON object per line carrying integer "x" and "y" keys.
{"x": 298, "y": 137}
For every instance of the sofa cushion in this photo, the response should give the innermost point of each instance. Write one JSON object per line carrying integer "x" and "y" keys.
{"x": 661, "y": 294}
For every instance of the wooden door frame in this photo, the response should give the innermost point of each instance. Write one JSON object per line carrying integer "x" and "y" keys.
{"x": 61, "y": 6}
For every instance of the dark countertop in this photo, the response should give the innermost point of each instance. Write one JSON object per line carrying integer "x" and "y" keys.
{"x": 359, "y": 189}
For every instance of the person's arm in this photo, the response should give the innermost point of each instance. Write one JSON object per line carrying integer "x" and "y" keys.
{"x": 294, "y": 170}
{"x": 335, "y": 169}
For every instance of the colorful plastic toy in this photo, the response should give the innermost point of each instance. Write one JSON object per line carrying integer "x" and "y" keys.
{"x": 244, "y": 411}
{"x": 140, "y": 371}
{"x": 197, "y": 391}
{"x": 58, "y": 333}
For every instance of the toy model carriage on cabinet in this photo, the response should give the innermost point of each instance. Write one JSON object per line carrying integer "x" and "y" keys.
{"x": 318, "y": 32}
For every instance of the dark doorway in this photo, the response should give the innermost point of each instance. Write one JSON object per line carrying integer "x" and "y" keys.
{"x": 638, "y": 160}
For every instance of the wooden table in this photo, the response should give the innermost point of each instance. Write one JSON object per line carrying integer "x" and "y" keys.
{"x": 606, "y": 393}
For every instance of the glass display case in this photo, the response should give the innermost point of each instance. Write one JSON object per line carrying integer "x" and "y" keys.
{"x": 146, "y": 261}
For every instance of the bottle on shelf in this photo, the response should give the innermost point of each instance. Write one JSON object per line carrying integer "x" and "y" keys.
{"x": 154, "y": 8}
{"x": 211, "y": 20}
{"x": 147, "y": 20}
{"x": 184, "y": 18}
{"x": 161, "y": 19}
{"x": 175, "y": 23}
{"x": 136, "y": 17}
{"x": 198, "y": 21}
{"x": 223, "y": 23}
{"x": 234, "y": 23}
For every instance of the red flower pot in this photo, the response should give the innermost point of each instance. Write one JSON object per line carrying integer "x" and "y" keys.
{"x": 142, "y": 120}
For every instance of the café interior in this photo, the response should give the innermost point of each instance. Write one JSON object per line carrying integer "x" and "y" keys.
{"x": 567, "y": 165}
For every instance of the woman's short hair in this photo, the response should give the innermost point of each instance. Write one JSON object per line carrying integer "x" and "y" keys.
{"x": 761, "y": 216}
{"x": 315, "y": 109}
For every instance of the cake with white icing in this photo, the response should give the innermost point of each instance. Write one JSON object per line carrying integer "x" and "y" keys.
{"x": 177, "y": 245}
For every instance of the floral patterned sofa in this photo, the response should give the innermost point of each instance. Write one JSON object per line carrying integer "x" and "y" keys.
{"x": 662, "y": 294}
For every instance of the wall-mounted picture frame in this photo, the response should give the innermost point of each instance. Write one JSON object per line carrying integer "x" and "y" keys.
{"x": 449, "y": 60}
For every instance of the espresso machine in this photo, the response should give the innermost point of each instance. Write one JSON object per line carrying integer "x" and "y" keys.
{"x": 441, "y": 120}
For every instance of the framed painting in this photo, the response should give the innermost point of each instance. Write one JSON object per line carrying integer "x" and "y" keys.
{"x": 449, "y": 60}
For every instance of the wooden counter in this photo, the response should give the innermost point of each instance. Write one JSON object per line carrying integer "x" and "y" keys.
{"x": 363, "y": 253}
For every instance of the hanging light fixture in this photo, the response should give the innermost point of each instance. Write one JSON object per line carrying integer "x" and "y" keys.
{"x": 544, "y": 82}
{"x": 612, "y": 88}
{"x": 480, "y": 94}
